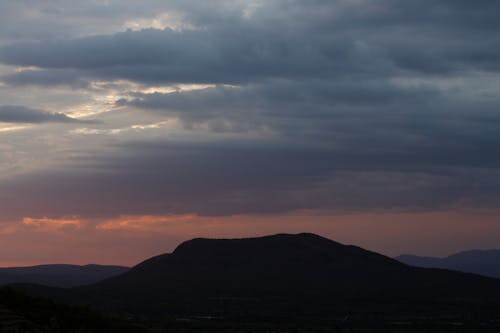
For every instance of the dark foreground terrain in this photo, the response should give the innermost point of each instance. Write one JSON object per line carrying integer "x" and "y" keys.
{"x": 20, "y": 312}
{"x": 282, "y": 283}
{"x": 23, "y": 313}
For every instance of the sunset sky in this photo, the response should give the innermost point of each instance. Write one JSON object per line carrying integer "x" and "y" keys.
{"x": 128, "y": 126}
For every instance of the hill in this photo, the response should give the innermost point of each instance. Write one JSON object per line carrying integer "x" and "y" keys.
{"x": 305, "y": 281}
{"x": 59, "y": 275}
{"x": 483, "y": 262}
{"x": 285, "y": 275}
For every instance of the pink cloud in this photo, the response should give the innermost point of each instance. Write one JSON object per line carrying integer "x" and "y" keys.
{"x": 50, "y": 224}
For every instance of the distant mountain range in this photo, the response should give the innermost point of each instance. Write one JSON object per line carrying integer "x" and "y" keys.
{"x": 59, "y": 275}
{"x": 483, "y": 262}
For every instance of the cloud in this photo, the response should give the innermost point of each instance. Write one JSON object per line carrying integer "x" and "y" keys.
{"x": 282, "y": 39}
{"x": 244, "y": 178}
{"x": 45, "y": 20}
{"x": 288, "y": 107}
{"x": 48, "y": 224}
{"x": 46, "y": 78}
{"x": 341, "y": 105}
{"x": 21, "y": 114}
{"x": 168, "y": 56}
{"x": 148, "y": 222}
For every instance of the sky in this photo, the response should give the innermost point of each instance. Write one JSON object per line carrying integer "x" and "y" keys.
{"x": 127, "y": 127}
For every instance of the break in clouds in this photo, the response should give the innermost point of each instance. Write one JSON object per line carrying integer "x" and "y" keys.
{"x": 248, "y": 107}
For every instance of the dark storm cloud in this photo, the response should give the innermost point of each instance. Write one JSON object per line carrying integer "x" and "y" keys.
{"x": 21, "y": 114}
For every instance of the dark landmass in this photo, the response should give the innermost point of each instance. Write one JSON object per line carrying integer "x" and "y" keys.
{"x": 23, "y": 313}
{"x": 482, "y": 262}
{"x": 63, "y": 276}
{"x": 290, "y": 283}
{"x": 20, "y": 312}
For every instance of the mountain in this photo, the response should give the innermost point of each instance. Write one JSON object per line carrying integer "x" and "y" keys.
{"x": 285, "y": 275}
{"x": 299, "y": 283}
{"x": 59, "y": 275}
{"x": 483, "y": 262}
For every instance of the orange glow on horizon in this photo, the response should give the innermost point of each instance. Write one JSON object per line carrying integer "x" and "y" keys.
{"x": 129, "y": 239}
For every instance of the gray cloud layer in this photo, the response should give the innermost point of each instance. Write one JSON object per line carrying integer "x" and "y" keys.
{"x": 21, "y": 114}
{"x": 224, "y": 180}
{"x": 286, "y": 39}
{"x": 357, "y": 105}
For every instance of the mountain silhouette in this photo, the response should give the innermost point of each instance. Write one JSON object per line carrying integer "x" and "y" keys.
{"x": 59, "y": 275}
{"x": 303, "y": 274}
{"x": 483, "y": 262}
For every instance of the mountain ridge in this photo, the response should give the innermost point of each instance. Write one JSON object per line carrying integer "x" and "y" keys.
{"x": 482, "y": 262}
